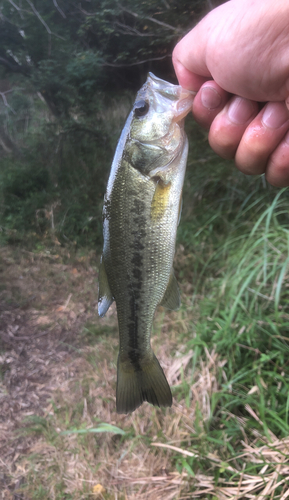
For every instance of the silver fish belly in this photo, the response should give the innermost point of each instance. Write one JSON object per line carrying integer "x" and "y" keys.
{"x": 140, "y": 218}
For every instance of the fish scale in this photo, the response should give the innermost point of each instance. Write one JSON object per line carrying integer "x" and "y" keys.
{"x": 140, "y": 218}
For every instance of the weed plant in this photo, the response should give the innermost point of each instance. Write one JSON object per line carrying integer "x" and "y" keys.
{"x": 235, "y": 239}
{"x": 52, "y": 186}
{"x": 227, "y": 347}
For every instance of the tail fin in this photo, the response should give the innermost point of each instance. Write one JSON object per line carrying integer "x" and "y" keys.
{"x": 147, "y": 383}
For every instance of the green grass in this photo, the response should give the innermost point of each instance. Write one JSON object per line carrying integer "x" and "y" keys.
{"x": 236, "y": 243}
{"x": 232, "y": 392}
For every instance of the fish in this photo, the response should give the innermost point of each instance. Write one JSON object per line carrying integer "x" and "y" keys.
{"x": 141, "y": 212}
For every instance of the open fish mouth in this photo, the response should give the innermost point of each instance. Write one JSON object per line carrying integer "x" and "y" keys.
{"x": 184, "y": 105}
{"x": 183, "y": 98}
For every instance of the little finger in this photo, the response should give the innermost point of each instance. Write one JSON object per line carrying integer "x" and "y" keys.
{"x": 277, "y": 172}
{"x": 261, "y": 138}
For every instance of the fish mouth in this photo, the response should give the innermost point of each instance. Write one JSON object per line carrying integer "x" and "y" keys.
{"x": 182, "y": 98}
{"x": 183, "y": 105}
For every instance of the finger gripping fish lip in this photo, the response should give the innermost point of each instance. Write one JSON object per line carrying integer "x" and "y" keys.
{"x": 183, "y": 98}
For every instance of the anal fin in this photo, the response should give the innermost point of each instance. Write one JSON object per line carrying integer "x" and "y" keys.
{"x": 171, "y": 299}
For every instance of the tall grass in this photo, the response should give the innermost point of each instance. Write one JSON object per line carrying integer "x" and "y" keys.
{"x": 235, "y": 236}
{"x": 226, "y": 354}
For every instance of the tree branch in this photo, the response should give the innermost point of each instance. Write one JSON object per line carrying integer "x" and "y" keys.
{"x": 7, "y": 143}
{"x": 15, "y": 67}
{"x": 39, "y": 17}
{"x": 136, "y": 63}
{"x": 16, "y": 7}
{"x": 2, "y": 94}
{"x": 128, "y": 30}
{"x": 59, "y": 9}
{"x": 134, "y": 14}
{"x": 152, "y": 19}
{"x": 45, "y": 25}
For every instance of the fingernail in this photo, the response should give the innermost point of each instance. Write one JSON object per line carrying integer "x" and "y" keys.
{"x": 240, "y": 110}
{"x": 275, "y": 115}
{"x": 210, "y": 98}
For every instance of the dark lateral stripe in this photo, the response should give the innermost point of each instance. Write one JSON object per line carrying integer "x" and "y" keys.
{"x": 138, "y": 245}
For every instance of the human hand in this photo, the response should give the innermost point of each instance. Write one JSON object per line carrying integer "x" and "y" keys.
{"x": 236, "y": 58}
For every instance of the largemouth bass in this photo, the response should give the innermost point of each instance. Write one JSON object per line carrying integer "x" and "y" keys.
{"x": 140, "y": 217}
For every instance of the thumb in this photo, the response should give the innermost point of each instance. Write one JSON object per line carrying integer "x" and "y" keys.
{"x": 189, "y": 60}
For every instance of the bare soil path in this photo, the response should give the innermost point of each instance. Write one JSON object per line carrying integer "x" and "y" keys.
{"x": 45, "y": 300}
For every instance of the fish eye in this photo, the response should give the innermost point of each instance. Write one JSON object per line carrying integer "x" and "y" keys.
{"x": 141, "y": 108}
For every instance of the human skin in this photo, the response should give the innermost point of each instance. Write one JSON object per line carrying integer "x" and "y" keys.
{"x": 237, "y": 60}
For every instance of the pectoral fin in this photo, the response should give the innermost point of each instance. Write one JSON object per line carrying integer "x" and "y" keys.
{"x": 105, "y": 298}
{"x": 171, "y": 298}
{"x": 160, "y": 200}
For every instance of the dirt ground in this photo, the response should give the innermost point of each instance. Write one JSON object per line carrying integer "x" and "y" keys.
{"x": 45, "y": 300}
{"x": 50, "y": 362}
{"x": 58, "y": 373}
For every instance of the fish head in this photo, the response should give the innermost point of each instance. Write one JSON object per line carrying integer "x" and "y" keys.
{"x": 157, "y": 134}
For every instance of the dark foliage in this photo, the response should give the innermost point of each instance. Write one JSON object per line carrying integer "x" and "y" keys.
{"x": 65, "y": 68}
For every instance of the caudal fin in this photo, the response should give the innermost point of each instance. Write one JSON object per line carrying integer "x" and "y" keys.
{"x": 147, "y": 383}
